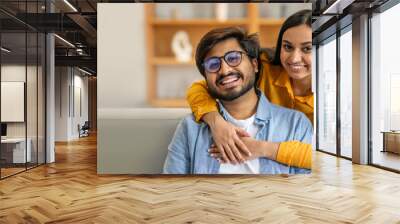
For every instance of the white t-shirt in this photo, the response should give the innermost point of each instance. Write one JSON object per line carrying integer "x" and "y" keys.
{"x": 250, "y": 166}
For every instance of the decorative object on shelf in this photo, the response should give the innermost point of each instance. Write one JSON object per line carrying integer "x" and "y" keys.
{"x": 181, "y": 46}
{"x": 221, "y": 11}
{"x": 175, "y": 13}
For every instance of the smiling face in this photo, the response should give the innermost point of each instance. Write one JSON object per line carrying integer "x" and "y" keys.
{"x": 296, "y": 51}
{"x": 230, "y": 82}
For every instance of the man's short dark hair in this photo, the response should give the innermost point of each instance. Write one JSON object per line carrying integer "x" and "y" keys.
{"x": 249, "y": 43}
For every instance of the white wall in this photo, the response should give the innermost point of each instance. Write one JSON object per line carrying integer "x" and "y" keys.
{"x": 17, "y": 73}
{"x": 121, "y": 58}
{"x": 14, "y": 72}
{"x": 66, "y": 119}
{"x": 33, "y": 127}
{"x": 80, "y": 83}
{"x": 61, "y": 103}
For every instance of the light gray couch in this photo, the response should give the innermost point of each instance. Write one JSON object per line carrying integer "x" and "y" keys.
{"x": 135, "y": 141}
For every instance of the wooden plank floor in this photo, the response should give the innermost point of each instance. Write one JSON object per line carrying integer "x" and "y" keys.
{"x": 69, "y": 191}
{"x": 387, "y": 159}
{"x": 10, "y": 171}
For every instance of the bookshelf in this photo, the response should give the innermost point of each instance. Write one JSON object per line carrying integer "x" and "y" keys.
{"x": 160, "y": 31}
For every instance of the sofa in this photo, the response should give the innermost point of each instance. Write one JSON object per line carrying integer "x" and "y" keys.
{"x": 135, "y": 141}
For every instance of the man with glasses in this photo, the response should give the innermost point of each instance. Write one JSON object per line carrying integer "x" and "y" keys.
{"x": 227, "y": 58}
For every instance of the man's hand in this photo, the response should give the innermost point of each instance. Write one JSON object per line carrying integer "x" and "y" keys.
{"x": 257, "y": 148}
{"x": 227, "y": 139}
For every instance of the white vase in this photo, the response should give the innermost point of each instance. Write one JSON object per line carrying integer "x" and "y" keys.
{"x": 181, "y": 46}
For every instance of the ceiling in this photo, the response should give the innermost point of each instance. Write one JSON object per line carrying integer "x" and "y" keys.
{"x": 76, "y": 24}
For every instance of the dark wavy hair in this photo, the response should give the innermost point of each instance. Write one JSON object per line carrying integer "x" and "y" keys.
{"x": 299, "y": 18}
{"x": 249, "y": 42}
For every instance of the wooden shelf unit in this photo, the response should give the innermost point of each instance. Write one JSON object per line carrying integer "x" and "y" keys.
{"x": 169, "y": 103}
{"x": 159, "y": 33}
{"x": 198, "y": 22}
{"x": 170, "y": 61}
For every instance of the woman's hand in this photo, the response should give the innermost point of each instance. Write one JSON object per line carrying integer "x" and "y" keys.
{"x": 226, "y": 138}
{"x": 257, "y": 148}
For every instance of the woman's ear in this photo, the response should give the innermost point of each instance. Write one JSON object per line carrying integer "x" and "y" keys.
{"x": 254, "y": 62}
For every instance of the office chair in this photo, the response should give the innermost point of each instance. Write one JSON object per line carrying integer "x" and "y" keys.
{"x": 84, "y": 130}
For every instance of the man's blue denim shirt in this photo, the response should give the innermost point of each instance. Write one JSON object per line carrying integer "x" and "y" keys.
{"x": 188, "y": 150}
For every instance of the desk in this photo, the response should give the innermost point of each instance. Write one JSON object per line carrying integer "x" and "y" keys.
{"x": 16, "y": 148}
{"x": 391, "y": 141}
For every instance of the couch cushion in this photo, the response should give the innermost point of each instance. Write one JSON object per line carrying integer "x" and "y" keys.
{"x": 135, "y": 141}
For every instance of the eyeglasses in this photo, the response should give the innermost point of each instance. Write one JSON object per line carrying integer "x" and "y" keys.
{"x": 232, "y": 58}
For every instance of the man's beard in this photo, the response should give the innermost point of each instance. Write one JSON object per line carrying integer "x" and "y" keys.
{"x": 231, "y": 95}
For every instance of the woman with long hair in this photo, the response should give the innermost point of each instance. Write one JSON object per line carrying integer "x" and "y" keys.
{"x": 285, "y": 78}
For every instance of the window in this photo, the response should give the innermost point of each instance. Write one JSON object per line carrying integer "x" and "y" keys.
{"x": 22, "y": 76}
{"x": 327, "y": 96}
{"x": 346, "y": 93}
{"x": 385, "y": 89}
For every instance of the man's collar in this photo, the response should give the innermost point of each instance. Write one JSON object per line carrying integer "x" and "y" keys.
{"x": 263, "y": 112}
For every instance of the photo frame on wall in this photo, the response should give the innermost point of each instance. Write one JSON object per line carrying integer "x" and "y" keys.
{"x": 172, "y": 45}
